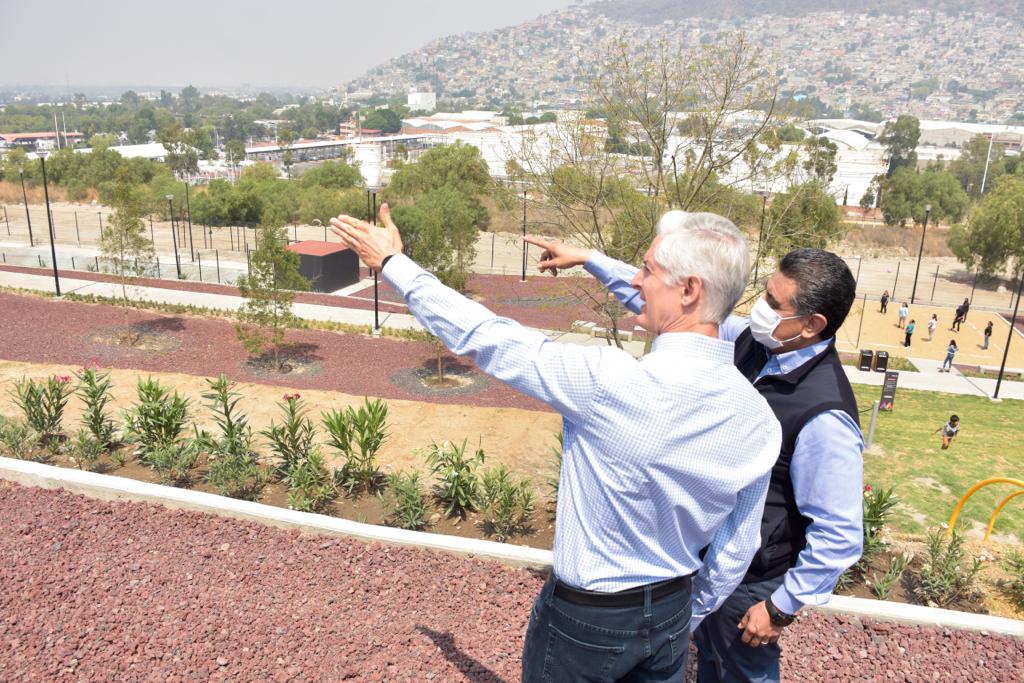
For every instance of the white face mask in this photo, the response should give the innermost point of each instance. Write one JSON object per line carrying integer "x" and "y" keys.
{"x": 764, "y": 320}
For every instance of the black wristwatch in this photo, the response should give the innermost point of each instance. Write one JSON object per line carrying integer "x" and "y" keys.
{"x": 778, "y": 618}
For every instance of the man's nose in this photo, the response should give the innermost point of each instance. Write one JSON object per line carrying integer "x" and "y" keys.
{"x": 635, "y": 282}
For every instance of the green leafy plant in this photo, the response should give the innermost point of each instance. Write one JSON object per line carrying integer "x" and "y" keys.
{"x": 94, "y": 390}
{"x": 291, "y": 441}
{"x": 357, "y": 435}
{"x": 882, "y": 586}
{"x": 458, "y": 486}
{"x": 17, "y": 438}
{"x": 235, "y": 433}
{"x": 174, "y": 461}
{"x": 946, "y": 575}
{"x": 1014, "y": 563}
{"x": 878, "y": 505}
{"x": 238, "y": 476}
{"x": 506, "y": 504}
{"x": 157, "y": 420}
{"x": 309, "y": 486}
{"x": 404, "y": 502}
{"x": 85, "y": 449}
{"x": 43, "y": 403}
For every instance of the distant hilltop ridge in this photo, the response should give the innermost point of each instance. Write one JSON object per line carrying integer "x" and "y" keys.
{"x": 656, "y": 11}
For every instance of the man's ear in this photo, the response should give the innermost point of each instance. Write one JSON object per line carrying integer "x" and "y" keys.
{"x": 816, "y": 322}
{"x": 690, "y": 291}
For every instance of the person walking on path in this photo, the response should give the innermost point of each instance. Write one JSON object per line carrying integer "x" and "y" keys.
{"x": 932, "y": 324}
{"x": 988, "y": 335}
{"x": 949, "y": 431}
{"x": 812, "y": 528}
{"x": 903, "y": 313}
{"x": 660, "y": 507}
{"x": 910, "y": 332}
{"x": 884, "y": 301}
{"x": 966, "y": 306}
{"x": 951, "y": 350}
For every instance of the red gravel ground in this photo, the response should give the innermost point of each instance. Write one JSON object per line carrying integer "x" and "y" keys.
{"x": 96, "y": 591}
{"x": 50, "y": 331}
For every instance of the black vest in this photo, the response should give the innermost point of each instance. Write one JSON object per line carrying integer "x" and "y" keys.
{"x": 815, "y": 387}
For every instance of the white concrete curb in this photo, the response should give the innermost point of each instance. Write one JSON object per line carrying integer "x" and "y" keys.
{"x": 107, "y": 487}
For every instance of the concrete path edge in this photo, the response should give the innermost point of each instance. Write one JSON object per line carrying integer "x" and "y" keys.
{"x": 113, "y": 488}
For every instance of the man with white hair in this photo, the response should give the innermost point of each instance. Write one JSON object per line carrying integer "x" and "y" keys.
{"x": 645, "y": 489}
{"x": 811, "y": 530}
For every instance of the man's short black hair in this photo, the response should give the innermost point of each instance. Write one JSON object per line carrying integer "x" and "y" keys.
{"x": 954, "y": 418}
{"x": 824, "y": 284}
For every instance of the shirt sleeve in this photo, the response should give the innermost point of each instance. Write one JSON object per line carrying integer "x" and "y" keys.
{"x": 731, "y": 550}
{"x": 616, "y": 277}
{"x": 827, "y": 474}
{"x": 563, "y": 376}
{"x": 732, "y": 328}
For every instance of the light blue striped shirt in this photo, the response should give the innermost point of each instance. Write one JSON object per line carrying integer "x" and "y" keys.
{"x": 645, "y": 486}
{"x": 827, "y": 468}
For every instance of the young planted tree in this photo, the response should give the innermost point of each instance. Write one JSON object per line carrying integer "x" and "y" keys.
{"x": 124, "y": 244}
{"x": 268, "y": 290}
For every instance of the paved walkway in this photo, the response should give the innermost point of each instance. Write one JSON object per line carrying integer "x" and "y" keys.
{"x": 928, "y": 379}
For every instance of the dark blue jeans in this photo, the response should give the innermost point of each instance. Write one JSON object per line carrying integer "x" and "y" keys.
{"x": 566, "y": 642}
{"x": 721, "y": 653}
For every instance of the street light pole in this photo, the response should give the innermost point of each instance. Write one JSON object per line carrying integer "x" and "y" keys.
{"x": 1009, "y": 337}
{"x": 49, "y": 221}
{"x": 24, "y": 195}
{"x": 524, "y": 235}
{"x": 760, "y": 238}
{"x": 188, "y": 210}
{"x": 174, "y": 236}
{"x": 924, "y": 229}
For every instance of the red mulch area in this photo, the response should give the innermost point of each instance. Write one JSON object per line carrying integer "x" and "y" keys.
{"x": 93, "y": 590}
{"x": 49, "y": 331}
{"x": 542, "y": 301}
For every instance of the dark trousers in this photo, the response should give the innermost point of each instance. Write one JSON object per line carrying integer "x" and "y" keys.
{"x": 721, "y": 653}
{"x": 907, "y": 340}
{"x": 566, "y": 642}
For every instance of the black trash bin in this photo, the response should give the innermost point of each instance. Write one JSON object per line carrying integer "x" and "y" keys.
{"x": 866, "y": 356}
{"x": 881, "y": 361}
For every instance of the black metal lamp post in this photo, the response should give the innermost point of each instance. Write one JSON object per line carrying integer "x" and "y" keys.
{"x": 376, "y": 278}
{"x": 49, "y": 222}
{"x": 524, "y": 235}
{"x": 24, "y": 196}
{"x": 760, "y": 238}
{"x": 924, "y": 229}
{"x": 1009, "y": 337}
{"x": 188, "y": 211}
{"x": 174, "y": 237}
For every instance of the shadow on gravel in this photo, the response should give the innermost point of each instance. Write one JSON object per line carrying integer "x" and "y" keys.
{"x": 161, "y": 324}
{"x": 474, "y": 670}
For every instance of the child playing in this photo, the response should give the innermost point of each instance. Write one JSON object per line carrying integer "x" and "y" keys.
{"x": 949, "y": 431}
{"x": 903, "y": 313}
{"x": 951, "y": 350}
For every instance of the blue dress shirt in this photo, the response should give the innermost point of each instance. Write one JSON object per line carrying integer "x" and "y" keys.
{"x": 827, "y": 467}
{"x": 644, "y": 486}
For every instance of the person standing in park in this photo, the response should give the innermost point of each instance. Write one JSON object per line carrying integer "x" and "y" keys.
{"x": 958, "y": 319}
{"x": 933, "y": 324}
{"x": 812, "y": 526}
{"x": 884, "y": 302}
{"x": 949, "y": 431}
{"x": 904, "y": 312}
{"x": 911, "y": 326}
{"x": 987, "y": 335}
{"x": 659, "y": 510}
{"x": 966, "y": 305}
{"x": 951, "y": 350}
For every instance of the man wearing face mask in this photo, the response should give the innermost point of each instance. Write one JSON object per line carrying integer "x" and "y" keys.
{"x": 811, "y": 529}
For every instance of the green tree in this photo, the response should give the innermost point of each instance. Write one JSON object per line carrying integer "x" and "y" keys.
{"x": 805, "y": 215}
{"x": 907, "y": 194}
{"x": 285, "y": 138}
{"x": 969, "y": 168}
{"x": 459, "y": 166}
{"x": 181, "y": 156}
{"x": 269, "y": 290}
{"x": 234, "y": 150}
{"x": 900, "y": 137}
{"x": 820, "y": 161}
{"x": 337, "y": 175}
{"x": 124, "y": 245}
{"x": 384, "y": 120}
{"x": 993, "y": 239}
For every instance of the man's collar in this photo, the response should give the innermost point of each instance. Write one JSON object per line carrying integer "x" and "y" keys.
{"x": 697, "y": 345}
{"x": 789, "y": 361}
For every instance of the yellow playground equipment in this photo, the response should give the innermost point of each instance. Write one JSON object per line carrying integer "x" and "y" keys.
{"x": 999, "y": 508}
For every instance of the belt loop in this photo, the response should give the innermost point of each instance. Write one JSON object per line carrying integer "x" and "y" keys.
{"x": 647, "y": 601}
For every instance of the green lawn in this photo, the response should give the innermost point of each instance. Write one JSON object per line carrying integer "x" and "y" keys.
{"x": 928, "y": 480}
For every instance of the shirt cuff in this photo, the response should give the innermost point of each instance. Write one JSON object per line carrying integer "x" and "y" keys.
{"x": 401, "y": 272}
{"x": 785, "y": 602}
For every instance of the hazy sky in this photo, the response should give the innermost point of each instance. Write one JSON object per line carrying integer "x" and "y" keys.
{"x": 230, "y": 42}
